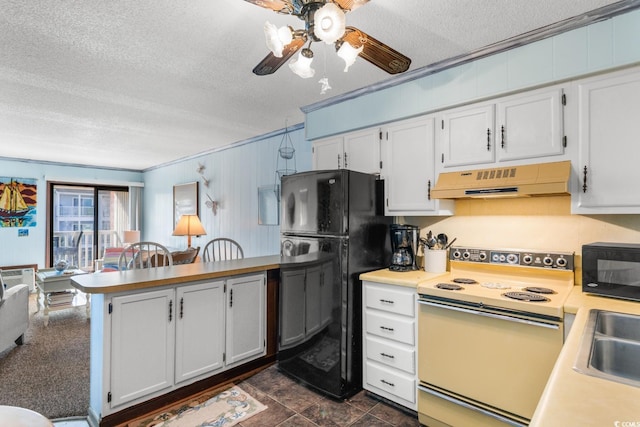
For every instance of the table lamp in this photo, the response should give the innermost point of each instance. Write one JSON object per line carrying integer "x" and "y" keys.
{"x": 131, "y": 236}
{"x": 189, "y": 225}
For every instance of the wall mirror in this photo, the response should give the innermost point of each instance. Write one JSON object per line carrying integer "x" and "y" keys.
{"x": 269, "y": 205}
{"x": 185, "y": 200}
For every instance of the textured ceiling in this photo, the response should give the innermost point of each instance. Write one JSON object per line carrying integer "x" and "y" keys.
{"x": 135, "y": 84}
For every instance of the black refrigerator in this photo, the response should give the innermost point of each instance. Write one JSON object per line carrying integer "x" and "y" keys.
{"x": 333, "y": 229}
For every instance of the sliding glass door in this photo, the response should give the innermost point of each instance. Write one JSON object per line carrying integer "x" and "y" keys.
{"x": 84, "y": 220}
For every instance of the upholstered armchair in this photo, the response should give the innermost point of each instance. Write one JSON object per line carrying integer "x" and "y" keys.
{"x": 14, "y": 314}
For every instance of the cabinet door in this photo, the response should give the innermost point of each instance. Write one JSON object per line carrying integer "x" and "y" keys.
{"x": 409, "y": 166}
{"x": 467, "y": 136}
{"x": 292, "y": 310}
{"x": 141, "y": 324}
{"x": 328, "y": 154}
{"x": 312, "y": 298}
{"x": 608, "y": 170}
{"x": 199, "y": 329}
{"x": 362, "y": 151}
{"x": 530, "y": 125}
{"x": 246, "y": 318}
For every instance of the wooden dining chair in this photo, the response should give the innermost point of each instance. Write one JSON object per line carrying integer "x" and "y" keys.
{"x": 144, "y": 255}
{"x": 222, "y": 249}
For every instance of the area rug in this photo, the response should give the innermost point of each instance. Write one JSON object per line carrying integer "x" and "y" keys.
{"x": 324, "y": 355}
{"x": 226, "y": 408}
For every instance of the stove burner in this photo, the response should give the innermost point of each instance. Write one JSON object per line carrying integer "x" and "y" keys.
{"x": 526, "y": 296}
{"x": 539, "y": 290}
{"x": 464, "y": 281}
{"x": 449, "y": 286}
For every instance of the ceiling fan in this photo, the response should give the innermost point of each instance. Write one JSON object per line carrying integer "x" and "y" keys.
{"x": 324, "y": 21}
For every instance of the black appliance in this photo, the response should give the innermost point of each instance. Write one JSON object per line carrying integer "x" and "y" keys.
{"x": 611, "y": 269}
{"x": 404, "y": 246}
{"x": 331, "y": 232}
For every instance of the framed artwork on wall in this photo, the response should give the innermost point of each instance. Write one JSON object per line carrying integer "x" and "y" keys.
{"x": 185, "y": 200}
{"x": 18, "y": 202}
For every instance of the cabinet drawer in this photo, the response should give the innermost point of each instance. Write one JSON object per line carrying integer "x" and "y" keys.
{"x": 391, "y": 354}
{"x": 391, "y": 382}
{"x": 392, "y": 327}
{"x": 390, "y": 300}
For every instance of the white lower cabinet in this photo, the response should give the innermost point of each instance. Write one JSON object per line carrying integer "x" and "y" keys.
{"x": 161, "y": 340}
{"x": 199, "y": 329}
{"x": 389, "y": 346}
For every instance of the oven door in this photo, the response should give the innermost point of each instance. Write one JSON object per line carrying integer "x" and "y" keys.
{"x": 485, "y": 358}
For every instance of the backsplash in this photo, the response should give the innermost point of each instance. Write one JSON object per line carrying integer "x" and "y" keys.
{"x": 541, "y": 223}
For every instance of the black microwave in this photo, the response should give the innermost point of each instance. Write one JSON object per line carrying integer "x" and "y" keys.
{"x": 611, "y": 269}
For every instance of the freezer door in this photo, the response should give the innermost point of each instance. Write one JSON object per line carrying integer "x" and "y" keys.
{"x": 314, "y": 203}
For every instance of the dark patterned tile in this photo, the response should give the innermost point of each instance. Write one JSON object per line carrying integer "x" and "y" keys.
{"x": 363, "y": 400}
{"x": 295, "y": 396}
{"x": 297, "y": 421}
{"x": 329, "y": 413}
{"x": 267, "y": 380}
{"x": 368, "y": 420}
{"x": 394, "y": 416}
{"x": 272, "y": 416}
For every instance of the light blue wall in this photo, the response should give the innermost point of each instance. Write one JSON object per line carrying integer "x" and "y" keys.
{"x": 235, "y": 175}
{"x": 600, "y": 46}
{"x": 30, "y": 249}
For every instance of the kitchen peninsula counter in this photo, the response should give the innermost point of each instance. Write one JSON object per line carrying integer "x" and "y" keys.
{"x": 574, "y": 399}
{"x": 131, "y": 280}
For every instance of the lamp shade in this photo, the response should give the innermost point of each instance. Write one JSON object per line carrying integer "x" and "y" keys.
{"x": 189, "y": 225}
{"x": 277, "y": 38}
{"x": 349, "y": 54}
{"x": 131, "y": 236}
{"x": 329, "y": 23}
{"x": 302, "y": 66}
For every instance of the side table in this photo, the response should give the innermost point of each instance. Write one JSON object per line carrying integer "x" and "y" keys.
{"x": 50, "y": 281}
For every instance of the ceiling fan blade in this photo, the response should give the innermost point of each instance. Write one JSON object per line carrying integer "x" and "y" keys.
{"x": 376, "y": 52}
{"x": 281, "y": 6}
{"x": 271, "y": 63}
{"x": 350, "y": 4}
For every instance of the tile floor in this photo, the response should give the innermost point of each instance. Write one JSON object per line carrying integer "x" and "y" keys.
{"x": 291, "y": 404}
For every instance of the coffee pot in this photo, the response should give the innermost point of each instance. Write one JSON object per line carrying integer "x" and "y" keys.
{"x": 404, "y": 245}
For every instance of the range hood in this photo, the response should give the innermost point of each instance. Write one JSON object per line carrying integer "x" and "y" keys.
{"x": 543, "y": 179}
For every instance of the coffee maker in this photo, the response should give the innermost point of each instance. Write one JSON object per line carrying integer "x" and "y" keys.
{"x": 404, "y": 245}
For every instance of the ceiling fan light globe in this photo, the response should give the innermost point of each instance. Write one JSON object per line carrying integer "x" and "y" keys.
{"x": 349, "y": 54}
{"x": 302, "y": 66}
{"x": 276, "y": 38}
{"x": 329, "y": 23}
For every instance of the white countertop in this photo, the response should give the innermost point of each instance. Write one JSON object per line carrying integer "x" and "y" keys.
{"x": 574, "y": 399}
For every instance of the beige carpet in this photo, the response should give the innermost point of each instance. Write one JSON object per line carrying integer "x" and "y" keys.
{"x": 211, "y": 409}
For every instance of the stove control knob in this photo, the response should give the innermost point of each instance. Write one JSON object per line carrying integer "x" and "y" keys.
{"x": 512, "y": 258}
{"x": 503, "y": 258}
{"x": 482, "y": 256}
{"x": 547, "y": 261}
{"x": 561, "y": 262}
{"x": 527, "y": 259}
{"x": 456, "y": 254}
{"x": 466, "y": 255}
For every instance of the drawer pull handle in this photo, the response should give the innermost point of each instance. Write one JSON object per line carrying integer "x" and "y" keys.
{"x": 387, "y": 383}
{"x": 386, "y": 301}
{"x": 390, "y": 356}
{"x": 384, "y": 328}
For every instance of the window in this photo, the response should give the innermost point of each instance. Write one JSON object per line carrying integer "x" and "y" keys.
{"x": 83, "y": 220}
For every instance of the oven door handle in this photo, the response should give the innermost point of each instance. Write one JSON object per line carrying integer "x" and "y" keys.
{"x": 470, "y": 407}
{"x": 491, "y": 315}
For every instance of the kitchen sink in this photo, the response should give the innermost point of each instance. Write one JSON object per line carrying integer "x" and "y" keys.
{"x": 610, "y": 347}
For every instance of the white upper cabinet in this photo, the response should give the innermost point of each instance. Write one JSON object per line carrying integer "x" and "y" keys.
{"x": 408, "y": 169}
{"x": 530, "y": 125}
{"x": 608, "y": 131}
{"x": 515, "y": 128}
{"x": 358, "y": 151}
{"x": 468, "y": 136}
